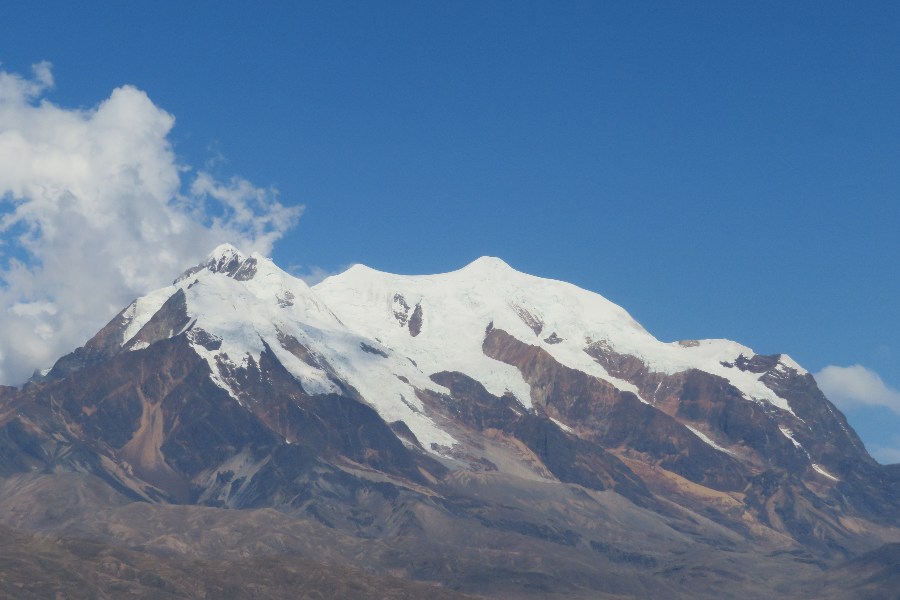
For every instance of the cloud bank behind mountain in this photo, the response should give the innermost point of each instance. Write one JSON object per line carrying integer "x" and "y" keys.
{"x": 95, "y": 210}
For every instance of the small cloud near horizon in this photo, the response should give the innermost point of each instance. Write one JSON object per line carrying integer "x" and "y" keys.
{"x": 886, "y": 455}
{"x": 852, "y": 386}
{"x": 857, "y": 387}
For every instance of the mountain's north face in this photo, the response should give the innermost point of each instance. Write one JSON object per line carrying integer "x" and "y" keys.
{"x": 486, "y": 430}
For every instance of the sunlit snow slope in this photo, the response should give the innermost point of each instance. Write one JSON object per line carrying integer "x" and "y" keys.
{"x": 454, "y": 309}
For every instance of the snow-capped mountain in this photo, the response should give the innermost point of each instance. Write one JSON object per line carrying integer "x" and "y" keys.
{"x": 385, "y": 335}
{"x": 437, "y": 412}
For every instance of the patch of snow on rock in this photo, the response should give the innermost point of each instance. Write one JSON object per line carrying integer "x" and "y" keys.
{"x": 707, "y": 439}
{"x": 563, "y": 426}
{"x": 822, "y": 471}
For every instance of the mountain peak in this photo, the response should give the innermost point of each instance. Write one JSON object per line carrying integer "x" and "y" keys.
{"x": 228, "y": 260}
{"x": 223, "y": 251}
{"x": 488, "y": 263}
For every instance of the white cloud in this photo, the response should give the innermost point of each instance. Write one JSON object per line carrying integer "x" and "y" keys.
{"x": 856, "y": 385}
{"x": 885, "y": 455}
{"x": 93, "y": 208}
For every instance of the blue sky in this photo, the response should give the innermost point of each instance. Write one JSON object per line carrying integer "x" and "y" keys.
{"x": 723, "y": 169}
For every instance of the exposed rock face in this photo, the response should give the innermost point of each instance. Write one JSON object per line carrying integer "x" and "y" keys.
{"x": 568, "y": 457}
{"x": 228, "y": 262}
{"x": 415, "y": 321}
{"x": 615, "y": 419}
{"x": 438, "y": 432}
{"x": 534, "y": 323}
{"x": 814, "y": 442}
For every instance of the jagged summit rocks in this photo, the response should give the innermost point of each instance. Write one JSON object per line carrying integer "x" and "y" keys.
{"x": 226, "y": 259}
{"x": 483, "y": 425}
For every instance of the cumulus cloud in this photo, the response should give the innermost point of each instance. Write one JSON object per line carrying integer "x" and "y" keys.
{"x": 886, "y": 455}
{"x": 95, "y": 211}
{"x": 856, "y": 385}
